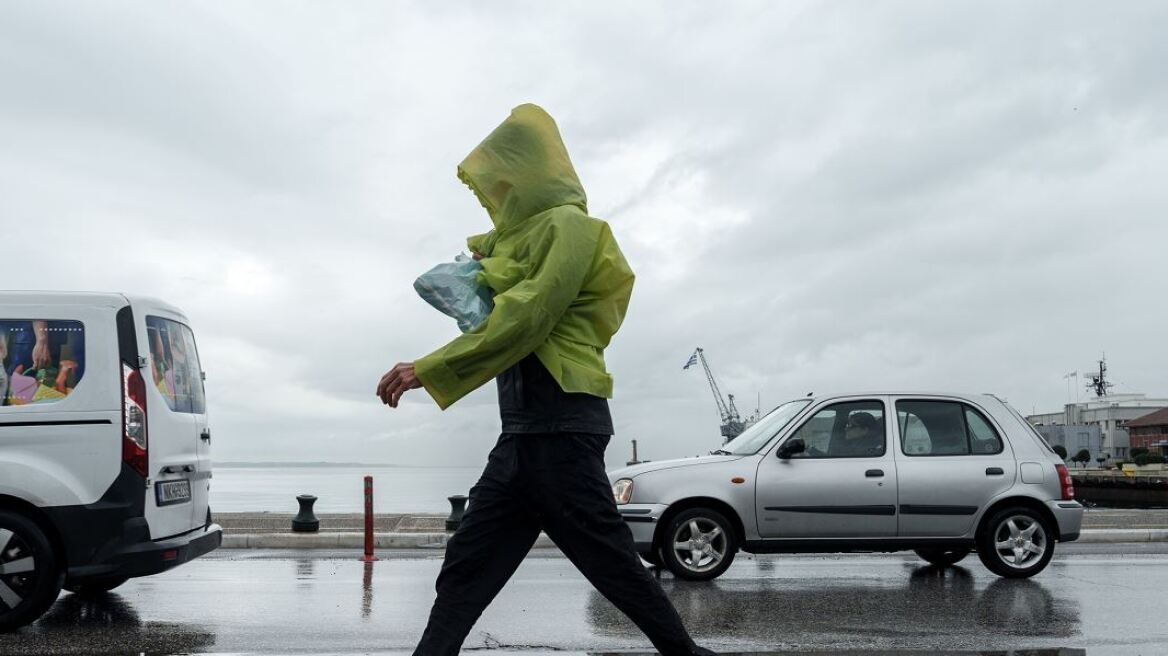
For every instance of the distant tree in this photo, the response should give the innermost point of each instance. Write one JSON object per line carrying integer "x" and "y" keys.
{"x": 1102, "y": 458}
{"x": 1138, "y": 451}
{"x": 1082, "y": 457}
{"x": 1060, "y": 450}
{"x": 1149, "y": 459}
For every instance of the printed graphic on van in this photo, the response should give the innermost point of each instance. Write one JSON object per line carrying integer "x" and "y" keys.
{"x": 174, "y": 364}
{"x": 43, "y": 360}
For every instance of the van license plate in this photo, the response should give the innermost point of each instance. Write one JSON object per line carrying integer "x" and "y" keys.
{"x": 172, "y": 492}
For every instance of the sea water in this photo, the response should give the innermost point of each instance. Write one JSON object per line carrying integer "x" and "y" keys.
{"x": 338, "y": 488}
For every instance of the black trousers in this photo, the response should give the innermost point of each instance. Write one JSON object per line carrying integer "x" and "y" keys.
{"x": 554, "y": 482}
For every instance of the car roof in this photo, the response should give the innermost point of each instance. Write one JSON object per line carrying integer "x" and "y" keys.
{"x": 903, "y": 392}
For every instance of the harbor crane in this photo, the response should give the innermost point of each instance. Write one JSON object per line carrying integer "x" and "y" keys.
{"x": 732, "y": 423}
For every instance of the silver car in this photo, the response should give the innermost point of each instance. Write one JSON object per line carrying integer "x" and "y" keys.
{"x": 940, "y": 474}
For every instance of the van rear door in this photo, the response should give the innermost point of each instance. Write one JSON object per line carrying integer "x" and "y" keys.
{"x": 201, "y": 484}
{"x": 175, "y": 401}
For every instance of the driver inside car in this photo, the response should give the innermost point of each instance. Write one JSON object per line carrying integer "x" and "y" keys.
{"x": 863, "y": 436}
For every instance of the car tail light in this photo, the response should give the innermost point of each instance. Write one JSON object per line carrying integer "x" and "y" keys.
{"x": 134, "y": 442}
{"x": 1066, "y": 484}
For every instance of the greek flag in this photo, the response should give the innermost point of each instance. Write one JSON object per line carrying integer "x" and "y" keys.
{"x": 693, "y": 359}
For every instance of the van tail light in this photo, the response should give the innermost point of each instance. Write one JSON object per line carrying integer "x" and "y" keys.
{"x": 134, "y": 442}
{"x": 1065, "y": 483}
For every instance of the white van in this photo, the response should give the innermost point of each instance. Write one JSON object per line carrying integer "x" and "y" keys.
{"x": 105, "y": 461}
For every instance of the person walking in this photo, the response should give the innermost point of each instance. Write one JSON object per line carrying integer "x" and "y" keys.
{"x": 561, "y": 288}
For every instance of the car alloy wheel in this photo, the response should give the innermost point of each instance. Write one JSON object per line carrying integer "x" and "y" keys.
{"x": 1016, "y": 543}
{"x": 697, "y": 544}
{"x": 700, "y": 544}
{"x": 1020, "y": 541}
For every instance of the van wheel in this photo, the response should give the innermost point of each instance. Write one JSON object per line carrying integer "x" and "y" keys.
{"x": 942, "y": 557}
{"x": 30, "y": 578}
{"x": 698, "y": 544}
{"x": 95, "y": 587}
{"x": 1015, "y": 543}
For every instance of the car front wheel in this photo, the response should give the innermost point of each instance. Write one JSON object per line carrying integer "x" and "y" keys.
{"x": 30, "y": 578}
{"x": 1015, "y": 543}
{"x": 698, "y": 544}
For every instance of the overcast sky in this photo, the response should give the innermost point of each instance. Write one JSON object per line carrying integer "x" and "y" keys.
{"x": 955, "y": 196}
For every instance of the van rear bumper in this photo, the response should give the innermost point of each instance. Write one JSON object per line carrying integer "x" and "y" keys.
{"x": 146, "y": 558}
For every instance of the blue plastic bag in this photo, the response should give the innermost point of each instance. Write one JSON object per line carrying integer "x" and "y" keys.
{"x": 454, "y": 290}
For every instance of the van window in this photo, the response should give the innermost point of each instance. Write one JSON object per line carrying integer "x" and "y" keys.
{"x": 43, "y": 360}
{"x": 944, "y": 428}
{"x": 174, "y": 364}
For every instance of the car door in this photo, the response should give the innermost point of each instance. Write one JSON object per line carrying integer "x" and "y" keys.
{"x": 842, "y": 486}
{"x": 951, "y": 463}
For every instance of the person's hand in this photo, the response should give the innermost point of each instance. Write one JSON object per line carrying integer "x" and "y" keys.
{"x": 41, "y": 357}
{"x": 395, "y": 383}
{"x": 476, "y": 255}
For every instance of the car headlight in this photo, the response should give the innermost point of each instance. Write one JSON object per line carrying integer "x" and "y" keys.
{"x": 622, "y": 491}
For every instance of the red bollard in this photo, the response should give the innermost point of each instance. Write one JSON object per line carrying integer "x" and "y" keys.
{"x": 368, "y": 557}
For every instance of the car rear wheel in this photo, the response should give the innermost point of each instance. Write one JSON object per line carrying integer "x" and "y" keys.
{"x": 30, "y": 578}
{"x": 698, "y": 544}
{"x": 94, "y": 587}
{"x": 1015, "y": 543}
{"x": 942, "y": 557}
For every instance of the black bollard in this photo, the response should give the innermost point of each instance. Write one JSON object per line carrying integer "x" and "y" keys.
{"x": 305, "y": 521}
{"x": 457, "y": 510}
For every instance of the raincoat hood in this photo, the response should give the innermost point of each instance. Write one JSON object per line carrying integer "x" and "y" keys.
{"x": 522, "y": 168}
{"x": 560, "y": 282}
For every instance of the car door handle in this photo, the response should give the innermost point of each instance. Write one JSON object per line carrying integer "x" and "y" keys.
{"x": 206, "y": 435}
{"x": 994, "y": 471}
{"x": 874, "y": 473}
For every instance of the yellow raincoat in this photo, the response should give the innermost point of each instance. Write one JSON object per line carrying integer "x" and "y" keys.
{"x": 561, "y": 283}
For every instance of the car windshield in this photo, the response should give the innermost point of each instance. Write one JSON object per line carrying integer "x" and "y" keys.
{"x": 754, "y": 438}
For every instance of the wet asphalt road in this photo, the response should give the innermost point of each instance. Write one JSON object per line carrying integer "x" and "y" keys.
{"x": 1094, "y": 599}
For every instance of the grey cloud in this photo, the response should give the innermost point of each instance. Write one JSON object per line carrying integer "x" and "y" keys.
{"x": 956, "y": 195}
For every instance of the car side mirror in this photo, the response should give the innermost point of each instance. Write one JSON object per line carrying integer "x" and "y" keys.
{"x": 792, "y": 447}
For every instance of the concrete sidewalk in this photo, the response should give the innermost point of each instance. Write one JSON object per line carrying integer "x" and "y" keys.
{"x": 422, "y": 531}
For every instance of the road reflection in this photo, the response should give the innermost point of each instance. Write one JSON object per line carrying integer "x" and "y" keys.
{"x": 367, "y": 592}
{"x": 104, "y": 624}
{"x": 932, "y": 602}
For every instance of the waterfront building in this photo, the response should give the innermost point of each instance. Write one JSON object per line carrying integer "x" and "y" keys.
{"x": 1150, "y": 431}
{"x": 1110, "y": 413}
{"x": 1074, "y": 438}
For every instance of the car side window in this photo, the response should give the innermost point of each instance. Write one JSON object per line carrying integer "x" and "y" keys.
{"x": 944, "y": 428}
{"x": 852, "y": 429}
{"x": 41, "y": 360}
{"x": 983, "y": 438}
